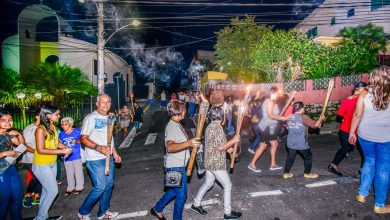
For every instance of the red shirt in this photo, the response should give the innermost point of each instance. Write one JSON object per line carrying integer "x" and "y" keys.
{"x": 346, "y": 110}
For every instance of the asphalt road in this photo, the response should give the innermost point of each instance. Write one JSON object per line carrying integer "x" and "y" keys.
{"x": 265, "y": 195}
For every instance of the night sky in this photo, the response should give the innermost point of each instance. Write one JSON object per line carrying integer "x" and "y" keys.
{"x": 164, "y": 22}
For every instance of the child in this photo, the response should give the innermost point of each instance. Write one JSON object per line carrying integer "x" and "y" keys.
{"x": 297, "y": 140}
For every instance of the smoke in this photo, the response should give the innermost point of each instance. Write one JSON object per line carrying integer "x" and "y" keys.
{"x": 163, "y": 65}
{"x": 195, "y": 72}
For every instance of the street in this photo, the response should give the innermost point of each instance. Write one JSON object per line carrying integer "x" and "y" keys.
{"x": 265, "y": 195}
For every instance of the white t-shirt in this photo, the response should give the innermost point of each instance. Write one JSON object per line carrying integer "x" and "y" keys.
{"x": 95, "y": 126}
{"x": 174, "y": 132}
{"x": 29, "y": 136}
{"x": 181, "y": 97}
{"x": 163, "y": 96}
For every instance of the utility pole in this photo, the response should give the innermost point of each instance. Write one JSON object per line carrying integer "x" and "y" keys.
{"x": 100, "y": 42}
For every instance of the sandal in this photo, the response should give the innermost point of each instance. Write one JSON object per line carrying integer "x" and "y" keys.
{"x": 68, "y": 193}
{"x": 77, "y": 192}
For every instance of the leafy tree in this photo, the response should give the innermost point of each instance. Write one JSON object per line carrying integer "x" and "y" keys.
{"x": 234, "y": 45}
{"x": 364, "y": 42}
{"x": 66, "y": 84}
{"x": 11, "y": 85}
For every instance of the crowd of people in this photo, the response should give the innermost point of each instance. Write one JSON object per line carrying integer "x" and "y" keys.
{"x": 365, "y": 126}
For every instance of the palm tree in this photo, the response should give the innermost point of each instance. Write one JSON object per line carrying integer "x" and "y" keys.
{"x": 68, "y": 85}
{"x": 20, "y": 94}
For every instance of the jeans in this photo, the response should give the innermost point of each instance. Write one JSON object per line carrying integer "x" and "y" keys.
{"x": 74, "y": 175}
{"x": 46, "y": 175}
{"x": 180, "y": 195}
{"x": 256, "y": 141}
{"x": 102, "y": 187}
{"x": 230, "y": 128}
{"x": 163, "y": 103}
{"x": 150, "y": 102}
{"x": 11, "y": 194}
{"x": 222, "y": 177}
{"x": 137, "y": 125}
{"x": 191, "y": 109}
{"x": 376, "y": 169}
{"x": 34, "y": 186}
{"x": 307, "y": 156}
{"x": 347, "y": 148}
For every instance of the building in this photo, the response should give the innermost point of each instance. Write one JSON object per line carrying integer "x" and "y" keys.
{"x": 325, "y": 22}
{"x": 39, "y": 39}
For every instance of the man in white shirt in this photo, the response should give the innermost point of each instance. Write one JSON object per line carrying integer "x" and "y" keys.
{"x": 94, "y": 138}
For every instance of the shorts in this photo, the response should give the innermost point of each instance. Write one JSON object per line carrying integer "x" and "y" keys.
{"x": 125, "y": 123}
{"x": 266, "y": 135}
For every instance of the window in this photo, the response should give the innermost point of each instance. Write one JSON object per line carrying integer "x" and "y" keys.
{"x": 351, "y": 12}
{"x": 312, "y": 32}
{"x": 95, "y": 68}
{"x": 375, "y": 4}
{"x": 27, "y": 34}
{"x": 333, "y": 21}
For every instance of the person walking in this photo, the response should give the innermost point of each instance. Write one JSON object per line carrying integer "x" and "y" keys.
{"x": 163, "y": 102}
{"x": 257, "y": 114}
{"x": 126, "y": 117}
{"x": 45, "y": 159}
{"x": 34, "y": 187}
{"x": 70, "y": 137}
{"x": 138, "y": 118}
{"x": 372, "y": 120}
{"x": 346, "y": 110}
{"x": 176, "y": 158}
{"x": 215, "y": 150}
{"x": 270, "y": 129}
{"x": 11, "y": 189}
{"x": 297, "y": 140}
{"x": 94, "y": 138}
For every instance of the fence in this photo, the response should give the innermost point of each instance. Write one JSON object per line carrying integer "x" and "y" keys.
{"x": 308, "y": 91}
{"x": 77, "y": 112}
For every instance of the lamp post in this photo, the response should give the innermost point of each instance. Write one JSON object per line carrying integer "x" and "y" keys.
{"x": 101, "y": 42}
{"x": 117, "y": 85}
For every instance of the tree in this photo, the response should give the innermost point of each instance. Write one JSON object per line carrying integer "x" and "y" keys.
{"x": 368, "y": 40}
{"x": 66, "y": 84}
{"x": 12, "y": 87}
{"x": 234, "y": 45}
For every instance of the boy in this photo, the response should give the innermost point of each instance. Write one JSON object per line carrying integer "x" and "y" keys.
{"x": 297, "y": 140}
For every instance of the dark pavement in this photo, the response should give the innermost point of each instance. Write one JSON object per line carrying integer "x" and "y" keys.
{"x": 265, "y": 195}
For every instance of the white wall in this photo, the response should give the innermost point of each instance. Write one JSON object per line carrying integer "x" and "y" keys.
{"x": 81, "y": 54}
{"x": 321, "y": 16}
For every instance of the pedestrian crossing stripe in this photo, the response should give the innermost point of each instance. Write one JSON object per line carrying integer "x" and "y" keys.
{"x": 151, "y": 138}
{"x": 127, "y": 142}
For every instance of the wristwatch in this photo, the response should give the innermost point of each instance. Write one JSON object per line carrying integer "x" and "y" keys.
{"x": 95, "y": 147}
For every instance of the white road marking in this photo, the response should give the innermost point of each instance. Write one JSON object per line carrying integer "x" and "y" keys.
{"x": 322, "y": 183}
{"x": 144, "y": 213}
{"x": 266, "y": 193}
{"x": 127, "y": 142}
{"x": 151, "y": 138}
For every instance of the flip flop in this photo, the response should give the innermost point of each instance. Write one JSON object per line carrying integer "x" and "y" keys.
{"x": 68, "y": 193}
{"x": 77, "y": 192}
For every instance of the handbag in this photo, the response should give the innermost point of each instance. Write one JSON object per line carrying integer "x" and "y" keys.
{"x": 172, "y": 179}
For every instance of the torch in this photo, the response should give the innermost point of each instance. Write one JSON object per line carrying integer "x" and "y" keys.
{"x": 329, "y": 92}
{"x": 110, "y": 129}
{"x": 204, "y": 106}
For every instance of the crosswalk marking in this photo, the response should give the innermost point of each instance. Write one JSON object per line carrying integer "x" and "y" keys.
{"x": 127, "y": 142}
{"x": 151, "y": 138}
{"x": 266, "y": 193}
{"x": 322, "y": 183}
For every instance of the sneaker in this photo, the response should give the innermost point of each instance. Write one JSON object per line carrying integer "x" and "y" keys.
{"x": 382, "y": 210}
{"x": 254, "y": 169}
{"x": 361, "y": 198}
{"x": 310, "y": 175}
{"x": 334, "y": 171}
{"x": 251, "y": 151}
{"x": 198, "y": 209}
{"x": 109, "y": 215}
{"x": 83, "y": 217}
{"x": 57, "y": 217}
{"x": 27, "y": 202}
{"x": 36, "y": 200}
{"x": 276, "y": 167}
{"x": 233, "y": 215}
{"x": 287, "y": 175}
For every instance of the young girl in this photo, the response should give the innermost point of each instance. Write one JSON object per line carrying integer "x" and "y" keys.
{"x": 11, "y": 190}
{"x": 216, "y": 147}
{"x": 45, "y": 159}
{"x": 70, "y": 137}
{"x": 297, "y": 140}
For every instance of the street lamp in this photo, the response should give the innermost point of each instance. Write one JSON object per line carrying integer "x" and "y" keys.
{"x": 117, "y": 85}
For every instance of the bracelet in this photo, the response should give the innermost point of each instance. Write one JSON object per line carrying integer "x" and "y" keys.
{"x": 95, "y": 147}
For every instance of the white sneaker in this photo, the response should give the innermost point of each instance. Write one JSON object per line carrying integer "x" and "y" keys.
{"x": 83, "y": 217}
{"x": 275, "y": 168}
{"x": 251, "y": 151}
{"x": 109, "y": 215}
